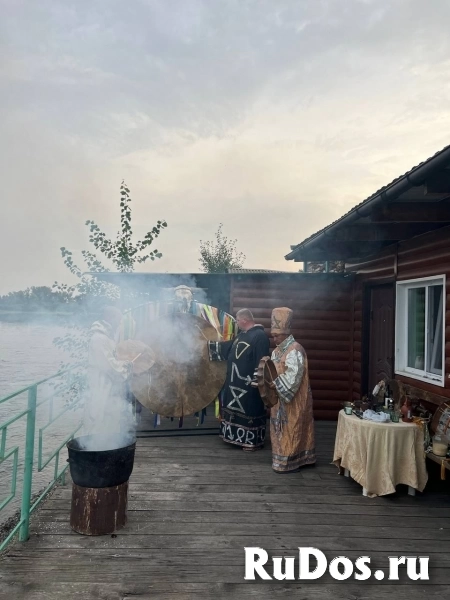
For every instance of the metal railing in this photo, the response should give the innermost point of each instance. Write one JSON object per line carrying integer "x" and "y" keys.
{"x": 33, "y": 427}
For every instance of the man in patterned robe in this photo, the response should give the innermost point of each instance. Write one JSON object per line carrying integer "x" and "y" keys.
{"x": 243, "y": 415}
{"x": 291, "y": 420}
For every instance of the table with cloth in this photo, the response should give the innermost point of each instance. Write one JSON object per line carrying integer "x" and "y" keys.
{"x": 379, "y": 456}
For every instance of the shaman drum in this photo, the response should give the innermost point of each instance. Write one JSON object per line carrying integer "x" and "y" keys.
{"x": 441, "y": 419}
{"x": 182, "y": 380}
{"x": 265, "y": 375}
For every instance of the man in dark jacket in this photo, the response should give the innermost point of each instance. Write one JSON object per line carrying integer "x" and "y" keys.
{"x": 243, "y": 421}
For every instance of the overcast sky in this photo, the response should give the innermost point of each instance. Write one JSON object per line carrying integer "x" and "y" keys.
{"x": 272, "y": 116}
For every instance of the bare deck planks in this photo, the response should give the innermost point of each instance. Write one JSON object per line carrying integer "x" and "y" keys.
{"x": 195, "y": 503}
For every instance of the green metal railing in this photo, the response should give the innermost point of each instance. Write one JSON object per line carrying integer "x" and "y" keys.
{"x": 29, "y": 453}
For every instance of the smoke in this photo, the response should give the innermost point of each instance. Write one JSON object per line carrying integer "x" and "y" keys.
{"x": 137, "y": 290}
{"x": 109, "y": 404}
{"x": 104, "y": 442}
{"x": 183, "y": 380}
{"x": 110, "y": 432}
{"x": 165, "y": 367}
{"x": 108, "y": 418}
{"x": 181, "y": 377}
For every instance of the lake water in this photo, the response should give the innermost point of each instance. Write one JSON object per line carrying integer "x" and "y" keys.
{"x": 28, "y": 354}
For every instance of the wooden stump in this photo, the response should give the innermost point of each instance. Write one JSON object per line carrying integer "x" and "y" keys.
{"x": 98, "y": 511}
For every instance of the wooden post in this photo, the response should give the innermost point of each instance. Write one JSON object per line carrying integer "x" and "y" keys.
{"x": 98, "y": 511}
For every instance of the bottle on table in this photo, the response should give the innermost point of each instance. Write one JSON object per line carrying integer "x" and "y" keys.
{"x": 388, "y": 398}
{"x": 406, "y": 410}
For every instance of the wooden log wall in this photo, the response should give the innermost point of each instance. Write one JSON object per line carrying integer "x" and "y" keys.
{"x": 374, "y": 270}
{"x": 422, "y": 256}
{"x": 357, "y": 327}
{"x": 322, "y": 324}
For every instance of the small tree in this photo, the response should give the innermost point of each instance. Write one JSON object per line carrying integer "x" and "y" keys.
{"x": 121, "y": 252}
{"x": 90, "y": 293}
{"x": 220, "y": 256}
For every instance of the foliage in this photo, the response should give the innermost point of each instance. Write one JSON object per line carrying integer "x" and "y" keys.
{"x": 76, "y": 344}
{"x": 34, "y": 299}
{"x": 122, "y": 252}
{"x": 91, "y": 294}
{"x": 221, "y": 255}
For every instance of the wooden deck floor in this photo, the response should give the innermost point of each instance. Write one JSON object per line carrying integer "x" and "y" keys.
{"x": 195, "y": 503}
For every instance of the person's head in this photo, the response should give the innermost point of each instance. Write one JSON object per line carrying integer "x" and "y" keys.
{"x": 281, "y": 324}
{"x": 112, "y": 316}
{"x": 244, "y": 319}
{"x": 279, "y": 338}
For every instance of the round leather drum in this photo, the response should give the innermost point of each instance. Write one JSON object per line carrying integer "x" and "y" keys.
{"x": 265, "y": 375}
{"x": 441, "y": 419}
{"x": 183, "y": 380}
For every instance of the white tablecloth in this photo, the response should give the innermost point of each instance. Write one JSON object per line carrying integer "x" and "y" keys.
{"x": 379, "y": 456}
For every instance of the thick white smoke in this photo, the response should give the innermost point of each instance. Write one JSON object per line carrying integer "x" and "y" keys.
{"x": 175, "y": 346}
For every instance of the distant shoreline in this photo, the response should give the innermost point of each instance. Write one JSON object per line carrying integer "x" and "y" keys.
{"x": 44, "y": 317}
{"x": 36, "y": 312}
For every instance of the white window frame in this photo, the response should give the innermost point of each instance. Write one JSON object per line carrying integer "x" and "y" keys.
{"x": 401, "y": 330}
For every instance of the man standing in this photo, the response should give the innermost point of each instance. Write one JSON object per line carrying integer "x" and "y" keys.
{"x": 106, "y": 410}
{"x": 243, "y": 412}
{"x": 291, "y": 420}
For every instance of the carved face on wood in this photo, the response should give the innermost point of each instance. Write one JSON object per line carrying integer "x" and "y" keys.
{"x": 181, "y": 296}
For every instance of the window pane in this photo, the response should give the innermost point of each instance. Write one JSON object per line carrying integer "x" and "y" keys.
{"x": 435, "y": 329}
{"x": 416, "y": 328}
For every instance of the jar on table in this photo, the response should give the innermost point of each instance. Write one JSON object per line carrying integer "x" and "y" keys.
{"x": 440, "y": 445}
{"x": 395, "y": 416}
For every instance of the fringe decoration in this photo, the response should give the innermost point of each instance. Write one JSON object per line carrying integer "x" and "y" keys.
{"x": 281, "y": 419}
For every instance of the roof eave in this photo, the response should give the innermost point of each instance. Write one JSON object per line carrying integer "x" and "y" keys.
{"x": 417, "y": 176}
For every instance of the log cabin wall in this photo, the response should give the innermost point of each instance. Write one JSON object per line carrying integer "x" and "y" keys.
{"x": 372, "y": 271}
{"x": 322, "y": 305}
{"x": 422, "y": 256}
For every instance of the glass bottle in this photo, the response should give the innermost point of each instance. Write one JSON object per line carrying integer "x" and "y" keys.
{"x": 406, "y": 410}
